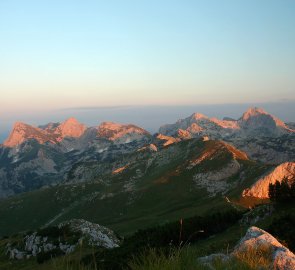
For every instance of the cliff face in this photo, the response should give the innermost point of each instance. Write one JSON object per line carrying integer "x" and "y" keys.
{"x": 22, "y": 132}
{"x": 260, "y": 188}
{"x": 50, "y": 133}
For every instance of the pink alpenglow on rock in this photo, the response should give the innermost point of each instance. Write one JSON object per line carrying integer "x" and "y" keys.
{"x": 52, "y": 133}
{"x": 260, "y": 188}
{"x": 22, "y": 132}
{"x": 70, "y": 128}
{"x": 122, "y": 133}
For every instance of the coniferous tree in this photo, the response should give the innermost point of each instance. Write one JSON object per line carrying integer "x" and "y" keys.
{"x": 278, "y": 194}
{"x": 282, "y": 191}
{"x": 285, "y": 190}
{"x": 271, "y": 192}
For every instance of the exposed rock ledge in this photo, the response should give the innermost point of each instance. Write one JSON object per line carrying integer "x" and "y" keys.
{"x": 260, "y": 188}
{"x": 49, "y": 239}
{"x": 280, "y": 257}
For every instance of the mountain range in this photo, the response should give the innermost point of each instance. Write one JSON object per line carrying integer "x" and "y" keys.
{"x": 34, "y": 157}
{"x": 83, "y": 172}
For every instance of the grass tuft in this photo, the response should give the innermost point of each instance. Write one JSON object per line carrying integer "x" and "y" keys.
{"x": 186, "y": 258}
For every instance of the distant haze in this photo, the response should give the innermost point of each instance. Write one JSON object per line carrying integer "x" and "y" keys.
{"x": 148, "y": 117}
{"x": 160, "y": 57}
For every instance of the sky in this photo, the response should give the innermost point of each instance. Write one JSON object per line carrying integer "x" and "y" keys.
{"x": 60, "y": 55}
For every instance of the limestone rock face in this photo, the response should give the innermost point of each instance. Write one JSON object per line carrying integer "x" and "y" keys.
{"x": 260, "y": 188}
{"x": 70, "y": 128}
{"x": 281, "y": 257}
{"x": 121, "y": 133}
{"x": 95, "y": 234}
{"x": 262, "y": 136}
{"x": 166, "y": 140}
{"x": 216, "y": 181}
{"x": 198, "y": 125}
{"x": 52, "y": 132}
{"x": 254, "y": 122}
{"x": 22, "y": 132}
{"x": 257, "y": 241}
{"x": 78, "y": 231}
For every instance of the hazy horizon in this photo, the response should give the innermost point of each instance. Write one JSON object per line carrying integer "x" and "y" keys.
{"x": 88, "y": 59}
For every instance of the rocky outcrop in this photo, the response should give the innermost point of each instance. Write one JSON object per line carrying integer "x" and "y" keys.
{"x": 256, "y": 245}
{"x": 275, "y": 150}
{"x": 121, "y": 133}
{"x": 52, "y": 132}
{"x": 166, "y": 140}
{"x": 216, "y": 181}
{"x": 70, "y": 128}
{"x": 256, "y": 121}
{"x": 260, "y": 188}
{"x": 63, "y": 239}
{"x": 94, "y": 234}
{"x": 198, "y": 125}
{"x": 22, "y": 132}
{"x": 281, "y": 258}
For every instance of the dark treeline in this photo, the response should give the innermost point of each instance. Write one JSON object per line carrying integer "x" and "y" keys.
{"x": 163, "y": 237}
{"x": 282, "y": 191}
{"x": 283, "y": 228}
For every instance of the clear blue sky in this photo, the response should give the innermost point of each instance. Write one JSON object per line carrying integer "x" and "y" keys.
{"x": 67, "y": 53}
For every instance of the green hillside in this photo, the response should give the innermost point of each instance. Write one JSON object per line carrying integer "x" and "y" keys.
{"x": 155, "y": 188}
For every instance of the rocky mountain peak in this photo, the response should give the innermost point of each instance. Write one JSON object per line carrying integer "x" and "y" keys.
{"x": 260, "y": 117}
{"x": 255, "y": 122}
{"x": 52, "y": 132}
{"x": 22, "y": 132}
{"x": 20, "y": 125}
{"x": 115, "y": 131}
{"x": 198, "y": 116}
{"x": 70, "y": 128}
{"x": 253, "y": 111}
{"x": 71, "y": 121}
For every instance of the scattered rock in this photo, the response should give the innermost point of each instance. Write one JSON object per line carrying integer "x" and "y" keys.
{"x": 78, "y": 231}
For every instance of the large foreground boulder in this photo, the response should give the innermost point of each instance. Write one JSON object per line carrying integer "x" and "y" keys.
{"x": 257, "y": 248}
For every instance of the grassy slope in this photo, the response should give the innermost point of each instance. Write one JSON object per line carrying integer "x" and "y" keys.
{"x": 223, "y": 242}
{"x": 165, "y": 192}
